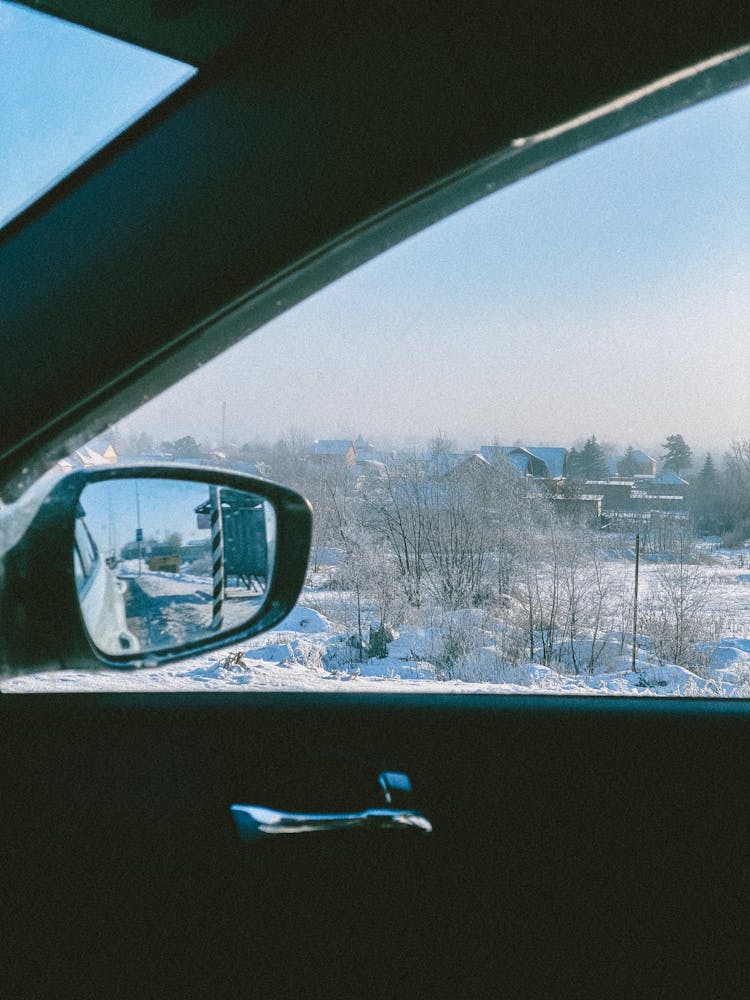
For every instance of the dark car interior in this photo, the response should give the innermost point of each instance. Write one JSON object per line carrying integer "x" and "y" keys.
{"x": 579, "y": 846}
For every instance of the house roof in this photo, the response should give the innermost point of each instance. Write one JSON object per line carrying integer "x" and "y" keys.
{"x": 86, "y": 457}
{"x": 378, "y": 455}
{"x": 331, "y": 447}
{"x": 494, "y": 452}
{"x": 667, "y": 477}
{"x": 553, "y": 458}
{"x": 639, "y": 457}
{"x": 443, "y": 463}
{"x": 520, "y": 459}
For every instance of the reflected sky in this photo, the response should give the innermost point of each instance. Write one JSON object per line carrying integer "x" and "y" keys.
{"x": 114, "y": 509}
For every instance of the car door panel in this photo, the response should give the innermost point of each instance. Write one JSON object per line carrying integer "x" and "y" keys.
{"x": 577, "y": 845}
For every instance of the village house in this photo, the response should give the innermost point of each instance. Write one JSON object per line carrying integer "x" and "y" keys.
{"x": 530, "y": 462}
{"x": 333, "y": 452}
{"x": 638, "y": 463}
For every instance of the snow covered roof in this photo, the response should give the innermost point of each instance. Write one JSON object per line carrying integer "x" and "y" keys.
{"x": 669, "y": 478}
{"x": 553, "y": 458}
{"x": 377, "y": 455}
{"x": 86, "y": 458}
{"x": 372, "y": 465}
{"x": 520, "y": 459}
{"x": 440, "y": 464}
{"x": 331, "y": 447}
{"x": 494, "y": 452}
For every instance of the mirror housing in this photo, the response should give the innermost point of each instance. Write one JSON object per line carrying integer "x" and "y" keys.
{"x": 45, "y": 623}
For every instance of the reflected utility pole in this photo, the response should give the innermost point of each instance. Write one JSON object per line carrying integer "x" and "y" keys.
{"x": 138, "y": 529}
{"x": 217, "y": 558}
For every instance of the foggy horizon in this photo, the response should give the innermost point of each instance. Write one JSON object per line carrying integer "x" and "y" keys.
{"x": 404, "y": 444}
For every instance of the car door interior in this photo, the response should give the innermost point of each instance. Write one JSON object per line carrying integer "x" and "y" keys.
{"x": 578, "y": 847}
{"x": 547, "y": 846}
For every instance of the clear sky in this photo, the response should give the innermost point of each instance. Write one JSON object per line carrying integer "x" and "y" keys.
{"x": 64, "y": 91}
{"x": 608, "y": 294}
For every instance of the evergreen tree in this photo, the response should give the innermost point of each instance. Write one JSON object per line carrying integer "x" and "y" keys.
{"x": 707, "y": 498}
{"x": 677, "y": 455}
{"x": 184, "y": 447}
{"x": 573, "y": 463}
{"x": 589, "y": 463}
{"x": 627, "y": 464}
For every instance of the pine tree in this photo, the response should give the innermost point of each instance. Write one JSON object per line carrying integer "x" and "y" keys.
{"x": 707, "y": 498}
{"x": 627, "y": 464}
{"x": 588, "y": 463}
{"x": 573, "y": 464}
{"x": 677, "y": 455}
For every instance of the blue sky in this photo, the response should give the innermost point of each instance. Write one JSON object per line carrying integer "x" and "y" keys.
{"x": 64, "y": 91}
{"x": 608, "y": 294}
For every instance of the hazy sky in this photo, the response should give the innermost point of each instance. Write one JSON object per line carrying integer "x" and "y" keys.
{"x": 608, "y": 294}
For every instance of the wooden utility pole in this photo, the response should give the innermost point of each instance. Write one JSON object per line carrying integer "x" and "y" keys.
{"x": 635, "y": 595}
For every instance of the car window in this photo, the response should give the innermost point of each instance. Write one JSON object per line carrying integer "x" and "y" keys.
{"x": 84, "y": 551}
{"x": 65, "y": 92}
{"x": 525, "y": 435}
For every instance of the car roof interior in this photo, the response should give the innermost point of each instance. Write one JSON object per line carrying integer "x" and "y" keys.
{"x": 312, "y": 137}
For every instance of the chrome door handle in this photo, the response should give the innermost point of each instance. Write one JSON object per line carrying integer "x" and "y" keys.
{"x": 253, "y": 822}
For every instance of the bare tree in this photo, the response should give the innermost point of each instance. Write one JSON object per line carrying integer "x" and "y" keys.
{"x": 677, "y": 614}
{"x": 540, "y": 584}
{"x": 587, "y": 608}
{"x": 394, "y": 510}
{"x": 457, "y": 539}
{"x": 737, "y": 492}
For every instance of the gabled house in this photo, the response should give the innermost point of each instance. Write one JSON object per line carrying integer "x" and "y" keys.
{"x": 550, "y": 462}
{"x": 444, "y": 463}
{"x": 457, "y": 466}
{"x": 530, "y": 462}
{"x": 87, "y": 458}
{"x": 333, "y": 452}
{"x": 636, "y": 463}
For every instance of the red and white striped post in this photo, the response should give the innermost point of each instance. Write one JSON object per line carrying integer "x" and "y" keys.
{"x": 217, "y": 557}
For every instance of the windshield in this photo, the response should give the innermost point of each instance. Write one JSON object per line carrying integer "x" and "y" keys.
{"x": 65, "y": 92}
{"x": 524, "y": 433}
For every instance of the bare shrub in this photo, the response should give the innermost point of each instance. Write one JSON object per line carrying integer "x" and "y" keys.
{"x": 677, "y": 613}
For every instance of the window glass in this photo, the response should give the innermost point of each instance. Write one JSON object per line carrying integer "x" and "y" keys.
{"x": 497, "y": 422}
{"x": 65, "y": 91}
{"x": 85, "y": 551}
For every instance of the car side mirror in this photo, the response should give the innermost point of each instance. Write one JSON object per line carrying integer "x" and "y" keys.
{"x": 135, "y": 566}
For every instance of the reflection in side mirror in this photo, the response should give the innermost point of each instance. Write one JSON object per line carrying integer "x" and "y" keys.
{"x": 161, "y": 563}
{"x": 134, "y": 566}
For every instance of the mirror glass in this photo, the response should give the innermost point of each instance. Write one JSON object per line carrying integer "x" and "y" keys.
{"x": 161, "y": 562}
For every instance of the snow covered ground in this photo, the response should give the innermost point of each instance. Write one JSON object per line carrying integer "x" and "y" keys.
{"x": 313, "y": 651}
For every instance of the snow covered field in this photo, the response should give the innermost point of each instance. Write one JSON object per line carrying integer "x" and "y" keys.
{"x": 314, "y": 650}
